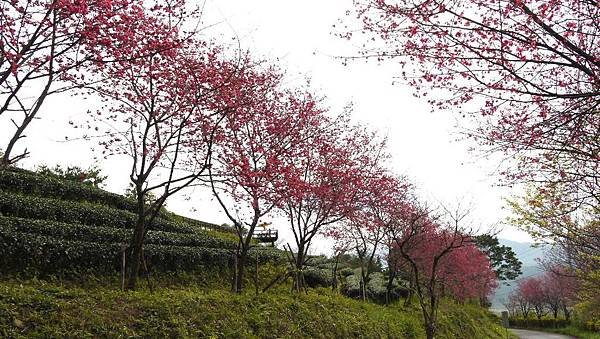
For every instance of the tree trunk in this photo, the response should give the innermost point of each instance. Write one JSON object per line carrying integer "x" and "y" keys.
{"x": 431, "y": 318}
{"x": 299, "y": 276}
{"x": 334, "y": 277}
{"x": 388, "y": 288}
{"x": 241, "y": 267}
{"x": 409, "y": 297}
{"x": 567, "y": 313}
{"x": 135, "y": 253}
{"x": 430, "y": 331}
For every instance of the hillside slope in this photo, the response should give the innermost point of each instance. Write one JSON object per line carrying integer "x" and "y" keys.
{"x": 61, "y": 245}
{"x": 42, "y": 309}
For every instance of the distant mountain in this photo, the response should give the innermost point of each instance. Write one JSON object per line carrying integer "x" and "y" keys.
{"x": 528, "y": 255}
{"x": 525, "y": 251}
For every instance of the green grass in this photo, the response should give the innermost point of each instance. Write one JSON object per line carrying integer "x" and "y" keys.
{"x": 33, "y": 308}
{"x": 575, "y": 331}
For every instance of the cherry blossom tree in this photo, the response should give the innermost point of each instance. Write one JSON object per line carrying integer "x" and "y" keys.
{"x": 374, "y": 227}
{"x": 365, "y": 233}
{"x": 330, "y": 173}
{"x": 162, "y": 111}
{"x": 554, "y": 291}
{"x": 527, "y": 72}
{"x": 468, "y": 274}
{"x": 249, "y": 164}
{"x": 520, "y": 301}
{"x": 46, "y": 45}
{"x": 532, "y": 290}
{"x": 428, "y": 245}
{"x": 559, "y": 290}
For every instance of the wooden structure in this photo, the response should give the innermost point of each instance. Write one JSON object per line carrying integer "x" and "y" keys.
{"x": 266, "y": 236}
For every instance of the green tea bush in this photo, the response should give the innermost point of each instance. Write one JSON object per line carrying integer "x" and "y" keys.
{"x": 376, "y": 287}
{"x": 317, "y": 277}
{"x": 28, "y": 183}
{"x": 101, "y": 234}
{"x": 48, "y": 255}
{"x": 32, "y": 207}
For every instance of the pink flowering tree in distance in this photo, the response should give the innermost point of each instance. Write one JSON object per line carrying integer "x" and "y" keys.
{"x": 330, "y": 173}
{"x": 430, "y": 245}
{"x": 367, "y": 230}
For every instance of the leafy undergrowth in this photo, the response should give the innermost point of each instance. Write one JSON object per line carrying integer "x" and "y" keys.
{"x": 33, "y": 308}
{"x": 576, "y": 332}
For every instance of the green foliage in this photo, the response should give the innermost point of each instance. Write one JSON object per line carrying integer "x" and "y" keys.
{"x": 26, "y": 182}
{"x": 376, "y": 287}
{"x": 465, "y": 320}
{"x": 588, "y": 311}
{"x": 538, "y": 323}
{"x": 79, "y": 232}
{"x": 41, "y": 309}
{"x": 352, "y": 261}
{"x": 503, "y": 259}
{"x": 32, "y": 207}
{"x": 577, "y": 332}
{"x": 90, "y": 176}
{"x": 318, "y": 277}
{"x": 48, "y": 255}
{"x": 44, "y": 235}
{"x": 36, "y": 186}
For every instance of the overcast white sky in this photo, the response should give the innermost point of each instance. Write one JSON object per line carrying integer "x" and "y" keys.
{"x": 299, "y": 35}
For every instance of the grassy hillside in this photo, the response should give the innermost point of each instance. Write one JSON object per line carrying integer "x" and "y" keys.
{"x": 61, "y": 246}
{"x": 42, "y": 309}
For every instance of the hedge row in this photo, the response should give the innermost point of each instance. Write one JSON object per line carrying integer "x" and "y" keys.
{"x": 31, "y": 207}
{"x": 30, "y": 183}
{"x": 538, "y": 323}
{"x": 108, "y": 235}
{"x": 46, "y": 255}
{"x": 22, "y": 181}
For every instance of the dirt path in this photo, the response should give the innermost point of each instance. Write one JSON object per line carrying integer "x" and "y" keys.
{"x": 526, "y": 334}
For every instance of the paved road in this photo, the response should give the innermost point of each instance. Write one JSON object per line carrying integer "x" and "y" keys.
{"x": 525, "y": 334}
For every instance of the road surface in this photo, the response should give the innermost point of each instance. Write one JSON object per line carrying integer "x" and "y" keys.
{"x": 526, "y": 334}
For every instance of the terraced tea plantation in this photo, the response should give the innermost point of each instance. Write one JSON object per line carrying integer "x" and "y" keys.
{"x": 49, "y": 225}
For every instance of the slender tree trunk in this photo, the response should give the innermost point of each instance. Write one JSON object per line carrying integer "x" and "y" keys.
{"x": 363, "y": 284}
{"x": 235, "y": 274}
{"x": 334, "y": 276}
{"x": 299, "y": 276}
{"x": 241, "y": 267}
{"x": 256, "y": 275}
{"x": 388, "y": 287}
{"x": 430, "y": 331}
{"x": 567, "y": 313}
{"x": 136, "y": 253}
{"x": 409, "y": 297}
{"x": 431, "y": 318}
